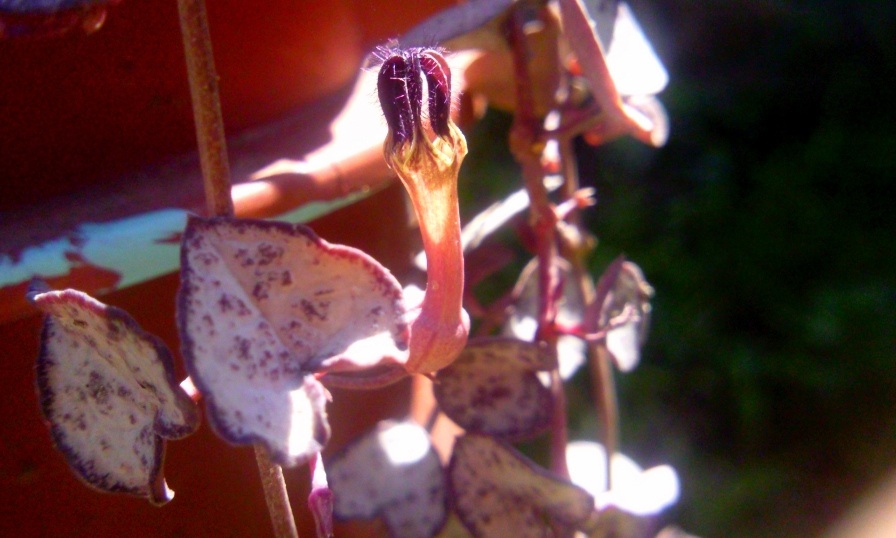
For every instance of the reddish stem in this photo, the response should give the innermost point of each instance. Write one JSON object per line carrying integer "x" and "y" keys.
{"x": 605, "y": 403}
{"x": 527, "y": 148}
{"x": 321, "y": 499}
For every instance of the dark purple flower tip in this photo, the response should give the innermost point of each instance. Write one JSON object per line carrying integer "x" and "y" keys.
{"x": 438, "y": 80}
{"x": 401, "y": 94}
{"x": 398, "y": 88}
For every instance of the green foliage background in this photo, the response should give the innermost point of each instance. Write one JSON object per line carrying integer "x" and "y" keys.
{"x": 766, "y": 226}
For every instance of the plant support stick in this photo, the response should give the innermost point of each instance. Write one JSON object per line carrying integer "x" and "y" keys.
{"x": 216, "y": 179}
{"x": 275, "y": 495}
{"x": 206, "y": 107}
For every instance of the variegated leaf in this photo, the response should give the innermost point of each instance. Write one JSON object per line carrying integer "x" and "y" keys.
{"x": 392, "y": 472}
{"x": 498, "y": 492}
{"x": 108, "y": 391}
{"x": 263, "y": 306}
{"x": 493, "y": 388}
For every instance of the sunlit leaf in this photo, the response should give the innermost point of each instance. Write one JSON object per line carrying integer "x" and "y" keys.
{"x": 634, "y": 490}
{"x": 650, "y": 115}
{"x": 392, "y": 472}
{"x": 108, "y": 391}
{"x": 262, "y": 306}
{"x": 630, "y": 58}
{"x": 624, "y": 67}
{"x": 493, "y": 387}
{"x": 498, "y": 492}
{"x": 603, "y": 14}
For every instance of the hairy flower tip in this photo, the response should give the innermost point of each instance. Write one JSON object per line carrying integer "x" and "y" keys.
{"x": 438, "y": 82}
{"x": 107, "y": 390}
{"x": 400, "y": 92}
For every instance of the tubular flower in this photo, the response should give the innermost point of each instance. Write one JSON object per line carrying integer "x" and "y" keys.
{"x": 426, "y": 156}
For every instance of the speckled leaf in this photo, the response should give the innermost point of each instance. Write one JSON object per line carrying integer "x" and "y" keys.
{"x": 622, "y": 292}
{"x": 570, "y": 305}
{"x": 498, "y": 492}
{"x": 493, "y": 388}
{"x": 263, "y": 305}
{"x": 108, "y": 391}
{"x": 392, "y": 472}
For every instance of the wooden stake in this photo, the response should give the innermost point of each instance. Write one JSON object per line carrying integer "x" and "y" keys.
{"x": 216, "y": 179}
{"x": 206, "y": 107}
{"x": 276, "y": 496}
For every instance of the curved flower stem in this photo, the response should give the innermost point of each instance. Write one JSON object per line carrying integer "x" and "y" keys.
{"x": 216, "y": 179}
{"x": 427, "y": 158}
{"x": 439, "y": 332}
{"x": 527, "y": 147}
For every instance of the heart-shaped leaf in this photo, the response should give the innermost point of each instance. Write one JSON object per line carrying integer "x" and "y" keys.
{"x": 108, "y": 391}
{"x": 493, "y": 388}
{"x": 262, "y": 306}
{"x": 392, "y": 472}
{"x": 622, "y": 310}
{"x": 498, "y": 492}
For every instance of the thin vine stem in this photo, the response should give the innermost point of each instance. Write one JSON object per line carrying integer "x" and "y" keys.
{"x": 216, "y": 180}
{"x": 605, "y": 400}
{"x": 527, "y": 147}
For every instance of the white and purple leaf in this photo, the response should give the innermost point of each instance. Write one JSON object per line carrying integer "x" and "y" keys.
{"x": 498, "y": 492}
{"x": 621, "y": 312}
{"x": 493, "y": 387}
{"x": 107, "y": 390}
{"x": 265, "y": 307}
{"x": 392, "y": 472}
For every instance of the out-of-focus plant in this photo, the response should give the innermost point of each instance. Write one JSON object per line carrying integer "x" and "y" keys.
{"x": 269, "y": 314}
